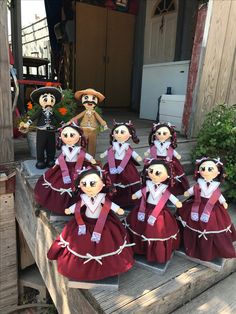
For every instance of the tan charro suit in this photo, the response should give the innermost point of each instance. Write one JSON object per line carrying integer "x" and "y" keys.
{"x": 90, "y": 123}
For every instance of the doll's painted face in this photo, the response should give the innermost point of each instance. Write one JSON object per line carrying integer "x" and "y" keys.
{"x": 70, "y": 136}
{"x": 208, "y": 170}
{"x": 89, "y": 101}
{"x": 46, "y": 100}
{"x": 91, "y": 184}
{"x": 163, "y": 134}
{"x": 157, "y": 173}
{"x": 121, "y": 134}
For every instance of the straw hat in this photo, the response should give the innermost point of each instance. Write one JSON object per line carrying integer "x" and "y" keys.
{"x": 89, "y": 91}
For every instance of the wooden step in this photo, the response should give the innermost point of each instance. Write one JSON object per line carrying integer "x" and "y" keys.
{"x": 221, "y": 298}
{"x": 140, "y": 290}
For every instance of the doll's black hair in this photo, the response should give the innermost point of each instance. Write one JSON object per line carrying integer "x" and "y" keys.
{"x": 156, "y": 127}
{"x": 144, "y": 174}
{"x": 129, "y": 126}
{"x": 83, "y": 141}
{"x": 104, "y": 175}
{"x": 219, "y": 165}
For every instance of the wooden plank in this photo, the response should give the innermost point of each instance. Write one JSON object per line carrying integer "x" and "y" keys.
{"x": 154, "y": 266}
{"x": 111, "y": 283}
{"x": 25, "y": 256}
{"x": 232, "y": 89}
{"x": 211, "y": 64}
{"x": 219, "y": 299}
{"x": 6, "y": 154}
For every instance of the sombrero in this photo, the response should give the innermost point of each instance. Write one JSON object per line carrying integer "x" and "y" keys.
{"x": 89, "y": 91}
{"x": 45, "y": 90}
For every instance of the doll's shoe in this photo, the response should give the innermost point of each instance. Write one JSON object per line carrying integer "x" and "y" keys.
{"x": 40, "y": 165}
{"x": 50, "y": 164}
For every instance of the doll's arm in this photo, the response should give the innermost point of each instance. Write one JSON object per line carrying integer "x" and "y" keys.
{"x": 222, "y": 201}
{"x": 116, "y": 208}
{"x": 136, "y": 195}
{"x": 136, "y": 156}
{"x": 71, "y": 210}
{"x": 100, "y": 120}
{"x": 24, "y": 126}
{"x": 174, "y": 200}
{"x": 189, "y": 192}
{"x": 147, "y": 153}
{"x": 178, "y": 156}
{"x": 90, "y": 158}
{"x": 79, "y": 116}
{"x": 104, "y": 154}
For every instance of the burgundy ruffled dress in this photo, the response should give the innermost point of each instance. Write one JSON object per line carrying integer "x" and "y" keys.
{"x": 79, "y": 258}
{"x": 208, "y": 231}
{"x": 158, "y": 241}
{"x": 164, "y": 151}
{"x": 126, "y": 182}
{"x": 54, "y": 192}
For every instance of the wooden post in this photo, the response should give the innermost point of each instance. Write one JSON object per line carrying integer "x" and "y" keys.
{"x": 7, "y": 151}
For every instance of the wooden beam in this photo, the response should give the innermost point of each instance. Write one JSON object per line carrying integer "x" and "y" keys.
{"x": 7, "y": 151}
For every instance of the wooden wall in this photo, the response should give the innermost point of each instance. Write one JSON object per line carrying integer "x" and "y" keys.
{"x": 218, "y": 77}
{"x": 6, "y": 152}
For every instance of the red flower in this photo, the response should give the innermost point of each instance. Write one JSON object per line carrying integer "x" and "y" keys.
{"x": 63, "y": 111}
{"x": 29, "y": 105}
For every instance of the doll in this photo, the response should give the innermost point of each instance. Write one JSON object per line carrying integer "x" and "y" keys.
{"x": 162, "y": 141}
{"x": 208, "y": 232}
{"x": 151, "y": 225}
{"x": 47, "y": 120}
{"x": 90, "y": 118}
{"x": 122, "y": 163}
{"x": 54, "y": 188}
{"x": 94, "y": 244}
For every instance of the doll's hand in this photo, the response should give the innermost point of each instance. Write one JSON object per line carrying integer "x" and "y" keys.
{"x": 178, "y": 156}
{"x": 93, "y": 161}
{"x": 102, "y": 155}
{"x": 105, "y": 127}
{"x": 23, "y": 127}
{"x": 134, "y": 197}
{"x": 120, "y": 211}
{"x": 178, "y": 204}
{"x": 146, "y": 154}
{"x": 139, "y": 158}
{"x": 67, "y": 211}
{"x": 225, "y": 205}
{"x": 186, "y": 194}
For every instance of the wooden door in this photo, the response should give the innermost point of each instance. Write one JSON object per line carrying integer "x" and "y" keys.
{"x": 119, "y": 60}
{"x": 90, "y": 46}
{"x": 160, "y": 31}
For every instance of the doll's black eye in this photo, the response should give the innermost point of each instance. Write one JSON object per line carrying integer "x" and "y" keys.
{"x": 45, "y": 100}
{"x": 164, "y": 133}
{"x": 159, "y": 133}
{"x": 122, "y": 132}
{"x": 158, "y": 173}
{"x": 210, "y": 169}
{"x": 72, "y": 135}
{"x": 92, "y": 183}
{"x": 94, "y": 97}
{"x": 202, "y": 168}
{"x": 84, "y": 184}
{"x": 150, "y": 170}
{"x": 65, "y": 135}
{"x": 116, "y": 131}
{"x": 86, "y": 97}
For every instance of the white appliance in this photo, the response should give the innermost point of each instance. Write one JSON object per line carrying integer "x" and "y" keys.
{"x": 171, "y": 109}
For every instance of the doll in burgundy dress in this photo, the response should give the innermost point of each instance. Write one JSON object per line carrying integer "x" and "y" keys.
{"x": 94, "y": 245}
{"x": 208, "y": 231}
{"x": 54, "y": 188}
{"x": 151, "y": 225}
{"x": 162, "y": 142}
{"x": 122, "y": 162}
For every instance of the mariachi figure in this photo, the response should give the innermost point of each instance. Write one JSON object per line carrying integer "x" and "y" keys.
{"x": 122, "y": 162}
{"x": 163, "y": 141}
{"x": 151, "y": 225}
{"x": 47, "y": 121}
{"x": 91, "y": 120}
{"x": 54, "y": 188}
{"x": 94, "y": 244}
{"x": 208, "y": 232}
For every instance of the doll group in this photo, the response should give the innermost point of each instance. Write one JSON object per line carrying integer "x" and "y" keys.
{"x": 95, "y": 243}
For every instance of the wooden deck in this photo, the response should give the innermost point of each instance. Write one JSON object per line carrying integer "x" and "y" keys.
{"x": 141, "y": 290}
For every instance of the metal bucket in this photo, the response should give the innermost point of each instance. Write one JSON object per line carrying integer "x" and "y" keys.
{"x": 31, "y": 138}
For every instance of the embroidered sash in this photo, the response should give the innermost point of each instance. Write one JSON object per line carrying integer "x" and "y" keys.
{"x": 96, "y": 235}
{"x": 209, "y": 205}
{"x": 79, "y": 162}
{"x": 123, "y": 164}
